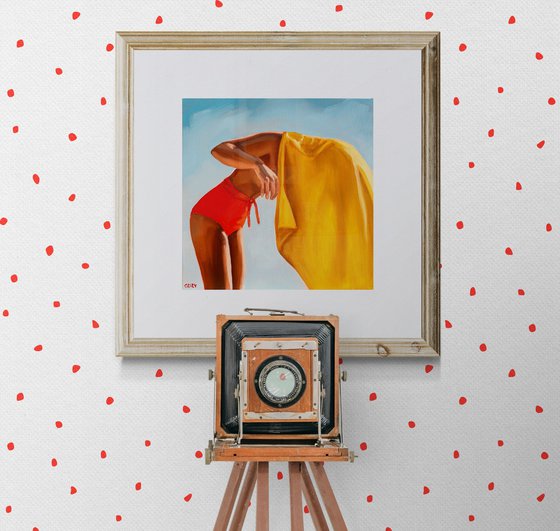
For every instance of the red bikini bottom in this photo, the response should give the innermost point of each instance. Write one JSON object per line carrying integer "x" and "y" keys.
{"x": 227, "y": 206}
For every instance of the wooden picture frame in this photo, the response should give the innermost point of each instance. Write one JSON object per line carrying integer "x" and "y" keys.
{"x": 428, "y": 342}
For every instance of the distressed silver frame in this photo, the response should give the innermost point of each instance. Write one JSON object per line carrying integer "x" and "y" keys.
{"x": 428, "y": 42}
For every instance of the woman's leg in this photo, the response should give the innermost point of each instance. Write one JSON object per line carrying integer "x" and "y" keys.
{"x": 235, "y": 240}
{"x": 212, "y": 252}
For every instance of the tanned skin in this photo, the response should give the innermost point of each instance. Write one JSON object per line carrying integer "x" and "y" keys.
{"x": 221, "y": 258}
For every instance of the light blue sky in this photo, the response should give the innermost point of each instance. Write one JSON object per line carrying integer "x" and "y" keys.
{"x": 207, "y": 122}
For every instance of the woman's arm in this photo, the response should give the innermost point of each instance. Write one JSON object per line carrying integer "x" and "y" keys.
{"x": 245, "y": 154}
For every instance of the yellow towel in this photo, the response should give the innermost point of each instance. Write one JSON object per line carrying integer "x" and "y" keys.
{"x": 324, "y": 212}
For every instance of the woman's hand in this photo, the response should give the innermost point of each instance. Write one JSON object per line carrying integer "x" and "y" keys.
{"x": 268, "y": 180}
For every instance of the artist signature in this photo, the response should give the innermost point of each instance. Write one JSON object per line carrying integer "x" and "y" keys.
{"x": 190, "y": 285}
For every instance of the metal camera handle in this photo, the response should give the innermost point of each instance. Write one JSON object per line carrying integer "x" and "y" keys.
{"x": 271, "y": 311}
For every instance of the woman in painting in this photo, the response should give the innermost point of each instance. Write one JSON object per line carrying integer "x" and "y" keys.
{"x": 324, "y": 210}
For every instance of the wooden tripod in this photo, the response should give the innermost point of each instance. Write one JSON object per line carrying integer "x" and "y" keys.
{"x": 300, "y": 481}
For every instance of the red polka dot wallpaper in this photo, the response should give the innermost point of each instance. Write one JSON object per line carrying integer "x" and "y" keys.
{"x": 89, "y": 441}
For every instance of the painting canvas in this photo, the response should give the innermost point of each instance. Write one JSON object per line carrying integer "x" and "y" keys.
{"x": 277, "y": 194}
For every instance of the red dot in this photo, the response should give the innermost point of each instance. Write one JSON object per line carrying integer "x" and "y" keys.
{"x": 539, "y": 409}
{"x": 138, "y": 485}
{"x": 500, "y": 442}
{"x": 38, "y": 348}
{"x": 521, "y": 292}
{"x": 19, "y": 43}
{"x": 5, "y": 313}
{"x": 85, "y": 265}
{"x": 198, "y": 454}
{"x": 544, "y": 455}
{"x": 218, "y": 3}
{"x": 10, "y": 93}
{"x": 306, "y": 509}
{"x": 58, "y": 424}
{"x": 509, "y": 251}
{"x": 482, "y": 347}
{"x": 472, "y": 291}
{"x": 462, "y": 47}
{"x": 147, "y": 443}
{"x": 548, "y": 227}
{"x": 279, "y": 475}
{"x": 36, "y": 178}
{"x": 72, "y": 137}
{"x": 107, "y": 225}
{"x": 411, "y": 424}
{"x": 75, "y": 368}
{"x": 109, "y": 47}
{"x": 49, "y": 250}
{"x": 10, "y": 446}
{"x": 109, "y": 400}
{"x": 15, "y": 129}
{"x": 338, "y": 8}
{"x": 539, "y": 56}
{"x": 518, "y": 186}
{"x": 455, "y": 454}
{"x": 71, "y": 197}
{"x": 159, "y": 373}
{"x": 75, "y": 15}
{"x": 500, "y": 90}
{"x": 54, "y": 462}
{"x": 188, "y": 497}
{"x": 369, "y": 498}
{"x": 460, "y": 225}
{"x": 551, "y": 101}
{"x": 428, "y": 368}
{"x": 8, "y": 509}
{"x": 20, "y": 397}
{"x": 426, "y": 490}
{"x": 103, "y": 101}
{"x": 282, "y": 23}
{"x": 428, "y": 15}
{"x": 490, "y": 133}
{"x": 73, "y": 490}
{"x": 491, "y": 485}
{"x": 532, "y": 328}
{"x": 511, "y": 373}
{"x": 103, "y": 454}
{"x": 456, "y": 100}
{"x": 159, "y": 20}
{"x": 471, "y": 517}
{"x": 58, "y": 71}
{"x": 372, "y": 397}
{"x": 186, "y": 409}
{"x": 363, "y": 446}
{"x": 462, "y": 400}
{"x": 511, "y": 20}
{"x": 94, "y": 324}
{"x": 448, "y": 324}
{"x": 3, "y": 221}
{"x": 14, "y": 278}
{"x": 471, "y": 165}
{"x": 540, "y": 497}
{"x": 540, "y": 145}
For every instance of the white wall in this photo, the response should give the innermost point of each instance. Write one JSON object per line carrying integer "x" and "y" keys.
{"x": 398, "y": 462}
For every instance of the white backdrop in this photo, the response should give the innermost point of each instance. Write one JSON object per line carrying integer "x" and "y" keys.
{"x": 57, "y": 362}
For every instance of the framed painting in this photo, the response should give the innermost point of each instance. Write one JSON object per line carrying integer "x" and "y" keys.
{"x": 278, "y": 170}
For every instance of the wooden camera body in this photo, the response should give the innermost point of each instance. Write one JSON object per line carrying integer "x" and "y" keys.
{"x": 277, "y": 380}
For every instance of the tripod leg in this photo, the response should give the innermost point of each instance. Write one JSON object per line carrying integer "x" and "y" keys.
{"x": 327, "y": 494}
{"x": 262, "y": 496}
{"x": 244, "y": 498}
{"x": 230, "y": 495}
{"x": 296, "y": 509}
{"x": 319, "y": 520}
